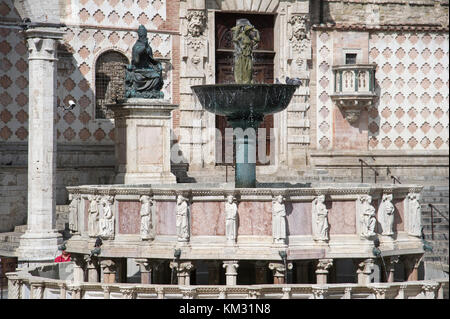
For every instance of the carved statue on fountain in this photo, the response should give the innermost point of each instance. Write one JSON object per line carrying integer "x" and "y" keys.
{"x": 143, "y": 77}
{"x": 245, "y": 38}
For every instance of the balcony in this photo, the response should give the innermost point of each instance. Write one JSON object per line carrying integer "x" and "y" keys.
{"x": 354, "y": 88}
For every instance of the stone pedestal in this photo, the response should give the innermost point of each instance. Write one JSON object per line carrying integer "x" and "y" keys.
{"x": 142, "y": 138}
{"x": 92, "y": 269}
{"x": 40, "y": 242}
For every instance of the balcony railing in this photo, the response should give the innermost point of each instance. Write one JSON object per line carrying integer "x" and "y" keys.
{"x": 354, "y": 88}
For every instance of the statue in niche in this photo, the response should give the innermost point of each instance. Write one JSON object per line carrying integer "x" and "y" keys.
{"x": 246, "y": 39}
{"x": 279, "y": 220}
{"x": 73, "y": 212}
{"x": 182, "y": 220}
{"x": 414, "y": 215}
{"x": 146, "y": 217}
{"x": 107, "y": 218}
{"x": 368, "y": 220}
{"x": 143, "y": 77}
{"x": 386, "y": 217}
{"x": 231, "y": 216}
{"x": 320, "y": 219}
{"x": 93, "y": 216}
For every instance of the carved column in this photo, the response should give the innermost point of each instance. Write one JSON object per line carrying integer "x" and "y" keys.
{"x": 40, "y": 242}
{"x": 231, "y": 267}
{"x": 183, "y": 270}
{"x": 14, "y": 287}
{"x": 78, "y": 267}
{"x": 279, "y": 272}
{"x": 412, "y": 263}
{"x": 109, "y": 269}
{"x": 106, "y": 291}
{"x": 322, "y": 270}
{"x": 92, "y": 269}
{"x": 146, "y": 266}
{"x": 393, "y": 260}
{"x": 364, "y": 270}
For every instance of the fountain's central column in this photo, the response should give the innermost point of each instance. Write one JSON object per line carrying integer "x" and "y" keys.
{"x": 245, "y": 132}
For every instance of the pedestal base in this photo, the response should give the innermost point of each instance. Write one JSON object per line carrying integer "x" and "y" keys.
{"x": 142, "y": 138}
{"x": 38, "y": 248}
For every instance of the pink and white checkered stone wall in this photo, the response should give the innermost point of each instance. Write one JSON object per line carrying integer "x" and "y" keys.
{"x": 413, "y": 80}
{"x": 76, "y": 74}
{"x": 413, "y": 88}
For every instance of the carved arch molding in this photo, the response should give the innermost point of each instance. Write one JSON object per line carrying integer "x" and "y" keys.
{"x": 261, "y": 6}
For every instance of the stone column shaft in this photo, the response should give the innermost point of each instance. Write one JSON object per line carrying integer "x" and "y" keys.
{"x": 40, "y": 242}
{"x": 183, "y": 272}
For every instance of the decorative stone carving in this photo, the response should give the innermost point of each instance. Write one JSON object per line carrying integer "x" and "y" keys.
{"x": 196, "y": 23}
{"x": 364, "y": 271}
{"x": 188, "y": 293}
{"x": 430, "y": 288}
{"x": 182, "y": 219}
{"x": 319, "y": 292}
{"x": 107, "y": 218}
{"x": 93, "y": 220}
{"x": 299, "y": 35}
{"x": 183, "y": 270}
{"x": 253, "y": 293}
{"x": 367, "y": 217}
{"x": 231, "y": 216}
{"x": 414, "y": 215}
{"x": 146, "y": 212}
{"x": 73, "y": 212}
{"x": 380, "y": 292}
{"x": 322, "y": 270}
{"x": 278, "y": 220}
{"x": 14, "y": 287}
{"x": 320, "y": 224}
{"x": 279, "y": 271}
{"x": 392, "y": 261}
{"x": 128, "y": 292}
{"x": 386, "y": 215}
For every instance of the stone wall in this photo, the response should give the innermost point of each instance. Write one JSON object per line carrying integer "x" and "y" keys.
{"x": 383, "y": 11}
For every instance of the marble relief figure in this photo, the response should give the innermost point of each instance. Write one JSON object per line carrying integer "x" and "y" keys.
{"x": 231, "y": 216}
{"x": 107, "y": 217}
{"x": 93, "y": 218}
{"x": 279, "y": 220}
{"x": 320, "y": 219}
{"x": 182, "y": 218}
{"x": 414, "y": 215}
{"x": 368, "y": 220}
{"x": 386, "y": 217}
{"x": 146, "y": 217}
{"x": 73, "y": 212}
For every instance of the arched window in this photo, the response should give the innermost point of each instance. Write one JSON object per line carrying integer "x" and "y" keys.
{"x": 109, "y": 81}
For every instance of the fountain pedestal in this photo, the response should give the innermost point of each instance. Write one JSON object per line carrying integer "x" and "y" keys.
{"x": 142, "y": 138}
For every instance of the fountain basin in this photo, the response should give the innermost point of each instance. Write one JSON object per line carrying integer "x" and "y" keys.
{"x": 245, "y": 101}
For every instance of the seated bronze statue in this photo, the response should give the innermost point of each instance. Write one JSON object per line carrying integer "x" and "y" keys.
{"x": 143, "y": 77}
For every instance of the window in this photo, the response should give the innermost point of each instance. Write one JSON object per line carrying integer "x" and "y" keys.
{"x": 350, "y": 58}
{"x": 109, "y": 81}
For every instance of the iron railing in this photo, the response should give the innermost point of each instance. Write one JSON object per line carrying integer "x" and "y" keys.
{"x": 434, "y": 208}
{"x": 362, "y": 162}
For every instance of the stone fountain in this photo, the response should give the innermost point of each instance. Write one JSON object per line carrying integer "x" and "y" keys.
{"x": 163, "y": 225}
{"x": 245, "y": 104}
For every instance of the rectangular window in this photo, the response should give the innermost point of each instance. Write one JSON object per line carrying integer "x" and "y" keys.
{"x": 350, "y": 58}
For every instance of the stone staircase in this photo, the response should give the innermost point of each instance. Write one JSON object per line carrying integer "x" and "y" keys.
{"x": 438, "y": 196}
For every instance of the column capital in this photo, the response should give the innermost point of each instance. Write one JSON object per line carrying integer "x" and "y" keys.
{"x": 279, "y": 268}
{"x": 108, "y": 265}
{"x": 231, "y": 266}
{"x": 323, "y": 265}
